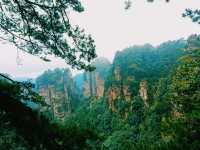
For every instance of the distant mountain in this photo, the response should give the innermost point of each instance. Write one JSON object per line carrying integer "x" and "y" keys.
{"x": 148, "y": 97}
{"x": 93, "y": 82}
{"x": 137, "y": 70}
{"x": 58, "y": 88}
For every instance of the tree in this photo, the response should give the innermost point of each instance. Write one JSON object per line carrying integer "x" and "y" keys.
{"x": 42, "y": 28}
{"x": 128, "y": 3}
{"x": 194, "y": 15}
{"x": 181, "y": 125}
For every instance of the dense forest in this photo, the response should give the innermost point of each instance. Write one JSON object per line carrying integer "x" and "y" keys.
{"x": 148, "y": 98}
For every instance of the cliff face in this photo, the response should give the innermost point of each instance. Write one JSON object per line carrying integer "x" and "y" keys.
{"x": 58, "y": 89}
{"x": 136, "y": 71}
{"x": 134, "y": 74}
{"x": 143, "y": 92}
{"x": 93, "y": 82}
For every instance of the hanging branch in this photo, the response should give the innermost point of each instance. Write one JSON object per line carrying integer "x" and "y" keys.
{"x": 44, "y": 29}
{"x": 194, "y": 15}
{"x": 25, "y": 90}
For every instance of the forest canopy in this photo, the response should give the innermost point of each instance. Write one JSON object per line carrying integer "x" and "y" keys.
{"x": 147, "y": 99}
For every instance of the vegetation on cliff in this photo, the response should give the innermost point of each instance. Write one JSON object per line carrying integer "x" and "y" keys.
{"x": 171, "y": 118}
{"x": 148, "y": 99}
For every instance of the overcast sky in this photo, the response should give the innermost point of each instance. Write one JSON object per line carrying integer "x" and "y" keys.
{"x": 113, "y": 29}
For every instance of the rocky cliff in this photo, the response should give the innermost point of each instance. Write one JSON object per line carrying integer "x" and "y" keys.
{"x": 93, "y": 82}
{"x": 58, "y": 89}
{"x": 136, "y": 71}
{"x": 143, "y": 92}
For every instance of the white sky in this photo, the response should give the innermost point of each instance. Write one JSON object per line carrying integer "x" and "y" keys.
{"x": 113, "y": 28}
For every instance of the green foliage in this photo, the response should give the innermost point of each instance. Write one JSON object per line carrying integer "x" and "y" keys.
{"x": 23, "y": 128}
{"x": 53, "y": 78}
{"x": 43, "y": 28}
{"x": 194, "y": 15}
{"x": 184, "y": 95}
{"x": 61, "y": 83}
{"x": 185, "y": 83}
{"x": 9, "y": 139}
{"x": 19, "y": 90}
{"x": 119, "y": 140}
{"x": 169, "y": 121}
{"x": 145, "y": 63}
{"x": 136, "y": 116}
{"x": 148, "y": 127}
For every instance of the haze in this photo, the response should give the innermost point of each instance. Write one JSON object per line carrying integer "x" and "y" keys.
{"x": 113, "y": 29}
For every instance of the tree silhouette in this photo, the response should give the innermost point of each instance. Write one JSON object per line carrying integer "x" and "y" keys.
{"x": 194, "y": 15}
{"x": 42, "y": 28}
